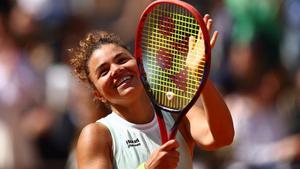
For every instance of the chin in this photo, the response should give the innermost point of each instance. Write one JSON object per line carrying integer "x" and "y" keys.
{"x": 132, "y": 92}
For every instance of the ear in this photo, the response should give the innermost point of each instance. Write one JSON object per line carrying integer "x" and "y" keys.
{"x": 99, "y": 96}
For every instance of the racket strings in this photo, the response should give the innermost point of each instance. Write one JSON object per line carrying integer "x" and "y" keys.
{"x": 165, "y": 42}
{"x": 185, "y": 24}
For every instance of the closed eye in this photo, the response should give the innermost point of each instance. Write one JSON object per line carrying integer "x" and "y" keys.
{"x": 103, "y": 72}
{"x": 122, "y": 60}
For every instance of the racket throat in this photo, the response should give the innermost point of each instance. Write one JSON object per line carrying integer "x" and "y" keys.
{"x": 162, "y": 127}
{"x": 174, "y": 129}
{"x": 173, "y": 132}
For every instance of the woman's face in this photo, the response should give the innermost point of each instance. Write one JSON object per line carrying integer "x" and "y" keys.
{"x": 114, "y": 72}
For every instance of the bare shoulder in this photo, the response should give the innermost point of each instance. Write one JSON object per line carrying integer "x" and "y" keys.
{"x": 93, "y": 132}
{"x": 94, "y": 147}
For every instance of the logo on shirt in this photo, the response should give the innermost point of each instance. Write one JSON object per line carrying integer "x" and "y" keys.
{"x": 133, "y": 143}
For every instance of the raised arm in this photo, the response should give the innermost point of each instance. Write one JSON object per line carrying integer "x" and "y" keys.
{"x": 94, "y": 148}
{"x": 209, "y": 120}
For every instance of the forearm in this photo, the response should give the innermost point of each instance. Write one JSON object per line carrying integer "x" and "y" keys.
{"x": 210, "y": 120}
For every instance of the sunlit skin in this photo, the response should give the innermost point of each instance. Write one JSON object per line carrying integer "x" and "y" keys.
{"x": 114, "y": 73}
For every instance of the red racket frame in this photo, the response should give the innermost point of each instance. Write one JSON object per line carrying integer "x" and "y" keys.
{"x": 139, "y": 57}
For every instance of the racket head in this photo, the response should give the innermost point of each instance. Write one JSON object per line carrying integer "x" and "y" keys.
{"x": 162, "y": 51}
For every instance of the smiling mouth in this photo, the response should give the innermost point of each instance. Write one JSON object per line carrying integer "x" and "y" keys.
{"x": 123, "y": 80}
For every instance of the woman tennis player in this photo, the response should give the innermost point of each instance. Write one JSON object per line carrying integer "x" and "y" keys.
{"x": 129, "y": 138}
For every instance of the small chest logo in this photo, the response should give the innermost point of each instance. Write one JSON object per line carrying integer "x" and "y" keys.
{"x": 133, "y": 143}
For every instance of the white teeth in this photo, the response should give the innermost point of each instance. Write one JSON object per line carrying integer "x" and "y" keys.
{"x": 123, "y": 79}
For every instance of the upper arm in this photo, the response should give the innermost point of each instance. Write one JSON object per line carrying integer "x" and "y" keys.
{"x": 198, "y": 127}
{"x": 195, "y": 128}
{"x": 94, "y": 148}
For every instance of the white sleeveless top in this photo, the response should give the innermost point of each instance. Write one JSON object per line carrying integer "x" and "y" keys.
{"x": 132, "y": 144}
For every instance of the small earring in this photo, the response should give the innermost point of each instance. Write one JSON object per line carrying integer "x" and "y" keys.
{"x": 98, "y": 96}
{"x": 102, "y": 99}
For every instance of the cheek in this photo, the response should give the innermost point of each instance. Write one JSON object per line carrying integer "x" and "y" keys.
{"x": 103, "y": 85}
{"x": 133, "y": 65}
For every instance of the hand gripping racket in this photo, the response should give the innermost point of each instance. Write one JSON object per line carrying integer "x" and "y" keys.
{"x": 172, "y": 49}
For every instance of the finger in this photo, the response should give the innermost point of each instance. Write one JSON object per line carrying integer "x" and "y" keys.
{"x": 174, "y": 154}
{"x": 206, "y": 17}
{"x": 214, "y": 39}
{"x": 170, "y": 145}
{"x": 192, "y": 42}
{"x": 172, "y": 162}
{"x": 209, "y": 24}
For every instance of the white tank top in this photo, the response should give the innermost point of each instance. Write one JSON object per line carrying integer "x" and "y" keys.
{"x": 132, "y": 144}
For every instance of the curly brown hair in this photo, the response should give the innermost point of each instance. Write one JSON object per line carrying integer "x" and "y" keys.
{"x": 81, "y": 54}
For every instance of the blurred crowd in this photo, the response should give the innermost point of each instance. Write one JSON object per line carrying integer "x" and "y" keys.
{"x": 255, "y": 64}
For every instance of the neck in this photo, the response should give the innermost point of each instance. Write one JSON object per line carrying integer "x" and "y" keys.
{"x": 139, "y": 111}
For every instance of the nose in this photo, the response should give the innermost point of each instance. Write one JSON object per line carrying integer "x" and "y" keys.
{"x": 115, "y": 70}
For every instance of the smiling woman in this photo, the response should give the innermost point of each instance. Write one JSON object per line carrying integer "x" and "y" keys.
{"x": 129, "y": 137}
{"x": 114, "y": 73}
{"x": 81, "y": 54}
{"x": 105, "y": 63}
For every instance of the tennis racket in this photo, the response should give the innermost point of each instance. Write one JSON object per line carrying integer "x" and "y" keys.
{"x": 172, "y": 49}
